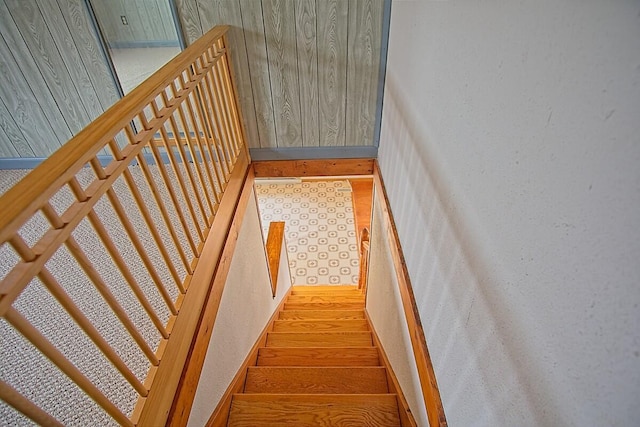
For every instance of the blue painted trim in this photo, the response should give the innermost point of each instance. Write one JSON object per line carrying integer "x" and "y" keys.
{"x": 143, "y": 43}
{"x": 382, "y": 73}
{"x": 176, "y": 22}
{"x": 313, "y": 153}
{"x": 9, "y": 163}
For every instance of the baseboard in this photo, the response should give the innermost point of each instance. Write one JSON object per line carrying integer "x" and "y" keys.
{"x": 303, "y": 153}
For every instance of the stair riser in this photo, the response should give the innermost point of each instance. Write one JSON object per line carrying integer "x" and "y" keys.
{"x": 310, "y": 380}
{"x": 349, "y": 356}
{"x": 320, "y": 326}
{"x": 321, "y": 315}
{"x": 336, "y": 339}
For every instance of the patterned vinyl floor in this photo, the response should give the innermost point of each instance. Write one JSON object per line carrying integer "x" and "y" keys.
{"x": 319, "y": 231}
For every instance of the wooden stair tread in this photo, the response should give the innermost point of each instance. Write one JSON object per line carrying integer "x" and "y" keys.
{"x": 303, "y": 410}
{"x": 321, "y": 314}
{"x": 319, "y": 339}
{"x": 352, "y": 325}
{"x": 311, "y": 380}
{"x": 318, "y": 356}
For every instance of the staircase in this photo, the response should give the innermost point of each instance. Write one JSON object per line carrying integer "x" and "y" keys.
{"x": 320, "y": 365}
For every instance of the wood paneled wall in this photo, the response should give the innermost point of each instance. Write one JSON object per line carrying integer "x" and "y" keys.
{"x": 307, "y": 70}
{"x": 149, "y": 23}
{"x": 54, "y": 79}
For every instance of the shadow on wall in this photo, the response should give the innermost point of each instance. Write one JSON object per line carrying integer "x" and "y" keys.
{"x": 482, "y": 366}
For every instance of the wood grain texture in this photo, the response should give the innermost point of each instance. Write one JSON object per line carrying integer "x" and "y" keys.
{"x": 314, "y": 410}
{"x": 307, "y": 47}
{"x": 227, "y": 12}
{"x": 346, "y": 325}
{"x": 12, "y": 142}
{"x": 318, "y": 356}
{"x": 321, "y": 314}
{"x": 302, "y": 168}
{"x": 319, "y": 339}
{"x": 322, "y": 306}
{"x": 189, "y": 20}
{"x": 332, "y": 71}
{"x": 65, "y": 44}
{"x": 316, "y": 380}
{"x": 280, "y": 31}
{"x": 49, "y": 61}
{"x": 256, "y": 42}
{"x": 365, "y": 36}
{"x": 324, "y": 289}
{"x": 86, "y": 40}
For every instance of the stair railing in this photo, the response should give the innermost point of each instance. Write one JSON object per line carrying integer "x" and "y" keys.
{"x": 364, "y": 260}
{"x": 162, "y": 157}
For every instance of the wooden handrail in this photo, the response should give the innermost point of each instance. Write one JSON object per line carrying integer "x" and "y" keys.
{"x": 275, "y": 240}
{"x": 185, "y": 117}
{"x": 364, "y": 260}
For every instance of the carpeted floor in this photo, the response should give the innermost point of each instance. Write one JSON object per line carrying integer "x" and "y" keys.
{"x": 32, "y": 374}
{"x": 320, "y": 231}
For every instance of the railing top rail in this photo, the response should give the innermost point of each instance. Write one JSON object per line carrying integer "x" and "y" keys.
{"x": 21, "y": 201}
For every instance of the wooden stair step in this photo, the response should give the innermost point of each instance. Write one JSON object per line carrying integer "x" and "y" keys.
{"x": 320, "y": 325}
{"x": 321, "y": 314}
{"x": 313, "y": 380}
{"x": 318, "y": 356}
{"x": 323, "y": 305}
{"x": 319, "y": 339}
{"x": 324, "y": 289}
{"x": 302, "y": 410}
{"x": 325, "y": 298}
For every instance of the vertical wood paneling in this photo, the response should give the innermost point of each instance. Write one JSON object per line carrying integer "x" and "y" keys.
{"x": 279, "y": 25}
{"x": 16, "y": 145}
{"x": 38, "y": 38}
{"x": 307, "y": 47}
{"x": 227, "y": 12}
{"x": 93, "y": 60}
{"x": 253, "y": 22}
{"x": 70, "y": 56}
{"x": 189, "y": 20}
{"x": 365, "y": 35}
{"x": 332, "y": 70}
{"x": 25, "y": 93}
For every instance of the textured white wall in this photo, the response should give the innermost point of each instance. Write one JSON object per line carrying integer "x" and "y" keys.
{"x": 510, "y": 148}
{"x": 384, "y": 305}
{"x": 245, "y": 308}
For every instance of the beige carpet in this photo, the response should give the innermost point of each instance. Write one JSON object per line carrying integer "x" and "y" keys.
{"x": 32, "y": 374}
{"x": 319, "y": 231}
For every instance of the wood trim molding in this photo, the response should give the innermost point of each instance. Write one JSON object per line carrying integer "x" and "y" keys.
{"x": 176, "y": 356}
{"x": 406, "y": 417}
{"x": 275, "y": 240}
{"x": 300, "y": 168}
{"x": 220, "y": 415}
{"x": 429, "y": 385}
{"x": 181, "y": 408}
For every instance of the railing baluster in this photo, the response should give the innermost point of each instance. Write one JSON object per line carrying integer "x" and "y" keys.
{"x": 214, "y": 120}
{"x": 23, "y": 326}
{"x": 185, "y": 162}
{"x": 203, "y": 142}
{"x": 146, "y": 260}
{"x": 193, "y": 152}
{"x": 193, "y": 100}
{"x": 113, "y": 303}
{"x": 170, "y": 190}
{"x": 27, "y": 407}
